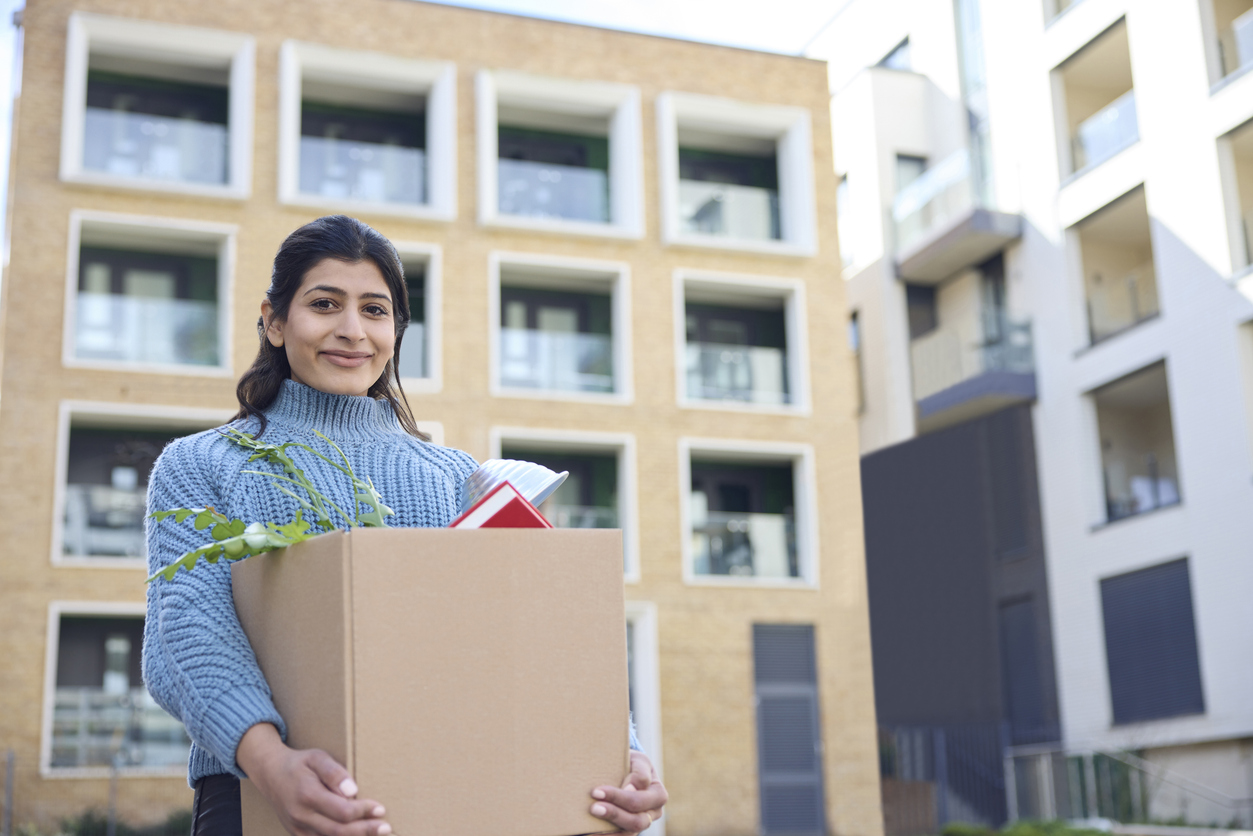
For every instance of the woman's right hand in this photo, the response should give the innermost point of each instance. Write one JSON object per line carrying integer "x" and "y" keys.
{"x": 311, "y": 793}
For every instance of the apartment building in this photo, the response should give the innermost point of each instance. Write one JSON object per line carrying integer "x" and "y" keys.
{"x": 1044, "y": 210}
{"x": 622, "y": 260}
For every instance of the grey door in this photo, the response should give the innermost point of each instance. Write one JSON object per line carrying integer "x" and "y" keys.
{"x": 789, "y": 738}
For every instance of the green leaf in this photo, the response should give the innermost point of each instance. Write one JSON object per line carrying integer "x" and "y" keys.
{"x": 220, "y": 531}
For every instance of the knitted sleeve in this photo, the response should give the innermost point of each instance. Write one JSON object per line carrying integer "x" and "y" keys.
{"x": 197, "y": 662}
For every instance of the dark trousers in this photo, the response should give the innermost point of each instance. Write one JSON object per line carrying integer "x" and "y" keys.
{"x": 215, "y": 810}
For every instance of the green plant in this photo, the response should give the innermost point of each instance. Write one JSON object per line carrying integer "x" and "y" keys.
{"x": 234, "y": 539}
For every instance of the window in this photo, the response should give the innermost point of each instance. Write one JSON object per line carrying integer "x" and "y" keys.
{"x": 908, "y": 169}
{"x": 105, "y": 453}
{"x": 748, "y": 516}
{"x": 421, "y": 350}
{"x": 736, "y": 175}
{"x": 600, "y": 490}
{"x": 921, "y": 310}
{"x": 1236, "y": 158}
{"x": 157, "y": 106}
{"x": 560, "y": 327}
{"x": 559, "y": 154}
{"x": 1119, "y": 277}
{"x": 741, "y": 345}
{"x": 899, "y": 58}
{"x": 854, "y": 346}
{"x": 97, "y": 712}
{"x": 1233, "y": 20}
{"x": 1150, "y": 644}
{"x": 1098, "y": 101}
{"x": 148, "y": 294}
{"x": 1137, "y": 443}
{"x": 367, "y": 132}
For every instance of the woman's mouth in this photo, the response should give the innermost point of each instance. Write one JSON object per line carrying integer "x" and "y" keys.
{"x": 347, "y": 359}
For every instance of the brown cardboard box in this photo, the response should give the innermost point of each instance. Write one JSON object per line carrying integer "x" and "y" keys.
{"x": 474, "y": 682}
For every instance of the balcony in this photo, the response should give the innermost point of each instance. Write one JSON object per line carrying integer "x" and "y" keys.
{"x": 1116, "y": 305}
{"x": 729, "y": 210}
{"x": 104, "y": 521}
{"x": 957, "y": 378}
{"x": 1120, "y": 282}
{"x": 154, "y": 147}
{"x": 347, "y": 169}
{"x": 580, "y": 516}
{"x": 743, "y": 544}
{"x": 750, "y": 374}
{"x": 556, "y": 361}
{"x": 1235, "y": 39}
{"x": 95, "y": 727}
{"x": 942, "y": 225}
{"x": 146, "y": 329}
{"x": 1105, "y": 133}
{"x": 1138, "y": 464}
{"x": 549, "y": 190}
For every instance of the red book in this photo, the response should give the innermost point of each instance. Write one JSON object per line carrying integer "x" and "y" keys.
{"x": 503, "y": 507}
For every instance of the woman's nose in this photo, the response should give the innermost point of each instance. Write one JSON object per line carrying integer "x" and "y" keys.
{"x": 349, "y": 326}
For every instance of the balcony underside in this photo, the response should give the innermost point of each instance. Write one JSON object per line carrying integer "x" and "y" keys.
{"x": 975, "y": 396}
{"x": 972, "y": 238}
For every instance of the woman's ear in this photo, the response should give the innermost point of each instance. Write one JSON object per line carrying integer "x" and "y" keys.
{"x": 273, "y": 328}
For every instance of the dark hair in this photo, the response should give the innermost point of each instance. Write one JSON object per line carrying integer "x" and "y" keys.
{"x": 344, "y": 239}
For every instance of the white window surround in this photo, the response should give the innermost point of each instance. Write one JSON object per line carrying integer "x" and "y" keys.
{"x": 103, "y": 609}
{"x": 170, "y": 44}
{"x": 747, "y": 290}
{"x": 642, "y": 616}
{"x": 156, "y": 234}
{"x": 436, "y": 80}
{"x": 621, "y": 445}
{"x": 789, "y": 126}
{"x": 432, "y": 256}
{"x": 564, "y": 273}
{"x": 102, "y": 414}
{"x": 618, "y": 104}
{"x": 804, "y": 492}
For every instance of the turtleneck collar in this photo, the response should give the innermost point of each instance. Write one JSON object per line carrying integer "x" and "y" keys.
{"x": 301, "y": 407}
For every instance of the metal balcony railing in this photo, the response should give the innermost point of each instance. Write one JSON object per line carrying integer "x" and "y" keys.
{"x": 339, "y": 169}
{"x": 1114, "y": 305}
{"x": 942, "y": 358}
{"x": 93, "y": 727}
{"x": 1136, "y": 483}
{"x": 1106, "y": 132}
{"x": 733, "y": 211}
{"x": 104, "y": 521}
{"x": 146, "y": 329}
{"x": 750, "y": 374}
{"x": 556, "y": 361}
{"x": 1235, "y": 44}
{"x": 745, "y": 545}
{"x": 580, "y": 516}
{"x": 154, "y": 147}
{"x": 544, "y": 190}
{"x": 941, "y": 194}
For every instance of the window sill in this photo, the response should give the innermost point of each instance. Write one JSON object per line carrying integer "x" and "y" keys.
{"x": 169, "y": 187}
{"x": 1128, "y": 724}
{"x": 719, "y": 242}
{"x": 1115, "y": 335}
{"x": 797, "y": 410}
{"x": 422, "y": 385}
{"x": 1087, "y": 169}
{"x": 98, "y": 772}
{"x": 149, "y": 368}
{"x": 733, "y": 582}
{"x": 1101, "y": 526}
{"x": 353, "y": 206}
{"x": 1229, "y": 79}
{"x": 604, "y": 398}
{"x": 560, "y": 226}
{"x": 139, "y": 564}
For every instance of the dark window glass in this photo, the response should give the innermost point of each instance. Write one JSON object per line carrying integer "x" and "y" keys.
{"x": 1150, "y": 644}
{"x": 921, "y": 309}
{"x": 760, "y": 172}
{"x": 184, "y": 276}
{"x": 552, "y": 148}
{"x": 725, "y": 325}
{"x": 1020, "y": 673}
{"x": 413, "y": 347}
{"x": 351, "y": 124}
{"x": 155, "y": 97}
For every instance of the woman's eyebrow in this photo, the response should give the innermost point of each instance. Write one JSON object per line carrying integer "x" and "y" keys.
{"x": 384, "y": 296}
{"x": 326, "y": 288}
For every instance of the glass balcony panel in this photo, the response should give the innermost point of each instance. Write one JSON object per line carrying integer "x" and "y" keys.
{"x": 413, "y": 351}
{"x": 154, "y": 147}
{"x": 941, "y": 193}
{"x": 348, "y": 169}
{"x": 548, "y": 190}
{"x": 101, "y": 520}
{"x": 1118, "y": 304}
{"x": 729, "y": 210}
{"x": 580, "y": 516}
{"x": 1107, "y": 132}
{"x": 94, "y": 727}
{"x": 744, "y": 545}
{"x": 942, "y": 358}
{"x": 1137, "y": 483}
{"x": 140, "y": 329}
{"x": 569, "y": 362}
{"x": 737, "y": 373}
{"x": 1235, "y": 44}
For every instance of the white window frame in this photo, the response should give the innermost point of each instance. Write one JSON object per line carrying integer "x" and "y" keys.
{"x": 619, "y": 104}
{"x": 432, "y": 255}
{"x": 436, "y": 80}
{"x": 642, "y": 616}
{"x": 173, "y": 44}
{"x": 564, "y": 273}
{"x": 620, "y": 445}
{"x": 122, "y": 416}
{"x": 791, "y": 129}
{"x": 146, "y": 231}
{"x": 102, "y": 609}
{"x": 805, "y": 508}
{"x": 729, "y": 287}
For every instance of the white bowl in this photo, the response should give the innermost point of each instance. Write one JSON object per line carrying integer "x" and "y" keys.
{"x": 534, "y": 481}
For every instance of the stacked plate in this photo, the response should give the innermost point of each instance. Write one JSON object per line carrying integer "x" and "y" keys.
{"x": 534, "y": 481}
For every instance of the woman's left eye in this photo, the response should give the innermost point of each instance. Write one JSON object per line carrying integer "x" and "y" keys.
{"x": 376, "y": 310}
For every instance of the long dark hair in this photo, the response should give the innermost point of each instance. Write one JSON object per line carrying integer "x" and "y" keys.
{"x": 344, "y": 239}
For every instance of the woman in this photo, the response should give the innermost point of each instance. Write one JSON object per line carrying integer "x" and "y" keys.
{"x": 331, "y": 327}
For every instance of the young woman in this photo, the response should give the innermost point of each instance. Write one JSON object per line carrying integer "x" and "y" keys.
{"x": 331, "y": 327}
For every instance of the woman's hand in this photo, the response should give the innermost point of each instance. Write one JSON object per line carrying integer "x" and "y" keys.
{"x": 637, "y": 803}
{"x": 311, "y": 793}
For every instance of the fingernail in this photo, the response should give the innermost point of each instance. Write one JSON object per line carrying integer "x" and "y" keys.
{"x": 598, "y": 809}
{"x": 384, "y": 829}
{"x": 348, "y": 787}
{"x": 379, "y": 812}
{"x": 598, "y": 793}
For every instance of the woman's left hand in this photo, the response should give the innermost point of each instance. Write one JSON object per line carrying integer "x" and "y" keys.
{"x": 637, "y": 803}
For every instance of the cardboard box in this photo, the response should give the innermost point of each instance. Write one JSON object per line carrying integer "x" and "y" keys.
{"x": 472, "y": 681}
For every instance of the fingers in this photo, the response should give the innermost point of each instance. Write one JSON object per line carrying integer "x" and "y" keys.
{"x": 330, "y": 773}
{"x": 315, "y": 825}
{"x": 620, "y": 818}
{"x": 634, "y": 801}
{"x": 332, "y": 798}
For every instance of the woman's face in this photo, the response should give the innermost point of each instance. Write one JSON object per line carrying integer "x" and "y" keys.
{"x": 339, "y": 332}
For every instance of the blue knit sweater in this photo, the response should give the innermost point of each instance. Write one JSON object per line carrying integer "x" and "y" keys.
{"x": 197, "y": 662}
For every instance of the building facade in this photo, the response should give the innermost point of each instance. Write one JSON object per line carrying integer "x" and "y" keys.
{"x": 1044, "y": 206}
{"x": 622, "y": 260}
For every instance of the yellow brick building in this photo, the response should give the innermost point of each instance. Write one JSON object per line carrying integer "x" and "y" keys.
{"x": 626, "y": 256}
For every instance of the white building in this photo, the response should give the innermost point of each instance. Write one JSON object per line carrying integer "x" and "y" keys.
{"x": 1103, "y": 150}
